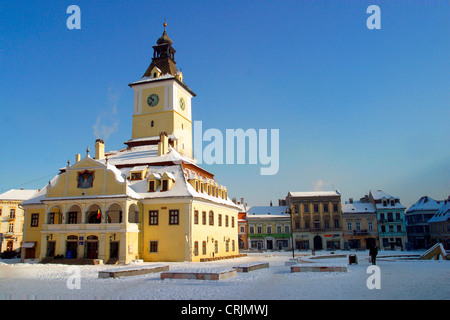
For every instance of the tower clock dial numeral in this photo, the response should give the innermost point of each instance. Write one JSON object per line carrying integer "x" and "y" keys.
{"x": 152, "y": 100}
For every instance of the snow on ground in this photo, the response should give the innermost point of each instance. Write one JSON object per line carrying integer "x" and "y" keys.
{"x": 400, "y": 279}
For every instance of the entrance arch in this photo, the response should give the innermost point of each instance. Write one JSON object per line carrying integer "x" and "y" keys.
{"x": 318, "y": 243}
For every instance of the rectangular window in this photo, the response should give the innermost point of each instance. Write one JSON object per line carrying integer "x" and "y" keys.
{"x": 34, "y": 219}
{"x": 153, "y": 246}
{"x": 259, "y": 229}
{"x": 269, "y": 229}
{"x": 316, "y": 208}
{"x": 336, "y": 223}
{"x": 286, "y": 229}
{"x": 335, "y": 207}
{"x": 306, "y": 208}
{"x": 232, "y": 222}
{"x": 226, "y": 221}
{"x": 174, "y": 217}
{"x": 242, "y": 229}
{"x": 278, "y": 229}
{"x": 151, "y": 186}
{"x": 370, "y": 225}
{"x": 349, "y": 226}
{"x": 153, "y": 218}
{"x": 11, "y": 227}
{"x": 296, "y": 208}
{"x": 204, "y": 247}
{"x": 136, "y": 176}
{"x": 73, "y": 217}
{"x": 195, "y": 217}
{"x": 399, "y": 228}
{"x": 12, "y": 213}
{"x": 164, "y": 185}
{"x": 325, "y": 207}
{"x": 219, "y": 221}
{"x": 252, "y": 229}
{"x": 358, "y": 226}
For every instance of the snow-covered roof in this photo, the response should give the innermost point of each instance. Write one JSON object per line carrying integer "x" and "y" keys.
{"x": 150, "y": 79}
{"x": 18, "y": 194}
{"x": 146, "y": 154}
{"x": 268, "y": 212}
{"x": 358, "y": 207}
{"x": 379, "y": 195}
{"x": 314, "y": 193}
{"x": 443, "y": 214}
{"x": 425, "y": 203}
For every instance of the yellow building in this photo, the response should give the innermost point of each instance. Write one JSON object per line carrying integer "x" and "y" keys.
{"x": 11, "y": 218}
{"x": 149, "y": 201}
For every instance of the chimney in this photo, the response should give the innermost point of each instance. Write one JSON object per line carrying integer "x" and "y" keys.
{"x": 270, "y": 202}
{"x": 99, "y": 149}
{"x": 351, "y": 200}
{"x": 163, "y": 145}
{"x": 77, "y": 157}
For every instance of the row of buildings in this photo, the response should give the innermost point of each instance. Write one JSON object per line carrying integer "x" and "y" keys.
{"x": 319, "y": 220}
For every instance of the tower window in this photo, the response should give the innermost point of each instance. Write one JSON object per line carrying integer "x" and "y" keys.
{"x": 152, "y": 124}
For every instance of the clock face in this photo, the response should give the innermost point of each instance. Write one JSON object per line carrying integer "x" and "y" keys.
{"x": 182, "y": 104}
{"x": 152, "y": 100}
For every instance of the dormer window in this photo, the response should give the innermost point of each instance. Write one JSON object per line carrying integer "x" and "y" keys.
{"x": 167, "y": 181}
{"x": 384, "y": 203}
{"x": 393, "y": 203}
{"x": 154, "y": 181}
{"x": 138, "y": 173}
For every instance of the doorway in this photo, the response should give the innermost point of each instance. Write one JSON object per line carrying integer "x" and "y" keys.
{"x": 317, "y": 243}
{"x": 92, "y": 247}
{"x": 114, "y": 249}
{"x": 51, "y": 248}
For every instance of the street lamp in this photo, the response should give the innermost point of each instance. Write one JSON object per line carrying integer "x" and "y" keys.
{"x": 289, "y": 211}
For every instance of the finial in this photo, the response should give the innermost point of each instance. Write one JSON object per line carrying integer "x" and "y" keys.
{"x": 87, "y": 151}
{"x": 165, "y": 24}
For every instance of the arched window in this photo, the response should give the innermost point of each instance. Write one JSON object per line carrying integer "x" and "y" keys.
{"x": 196, "y": 248}
{"x": 204, "y": 247}
{"x": 211, "y": 218}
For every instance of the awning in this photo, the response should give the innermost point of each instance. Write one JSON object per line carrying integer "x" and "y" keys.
{"x": 29, "y": 245}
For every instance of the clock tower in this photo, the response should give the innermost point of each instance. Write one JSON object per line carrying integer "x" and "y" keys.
{"x": 162, "y": 101}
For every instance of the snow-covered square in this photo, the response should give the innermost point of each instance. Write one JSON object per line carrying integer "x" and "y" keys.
{"x": 401, "y": 277}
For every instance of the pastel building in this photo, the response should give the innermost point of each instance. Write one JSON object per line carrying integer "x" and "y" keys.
{"x": 11, "y": 218}
{"x": 359, "y": 224}
{"x": 269, "y": 228}
{"x": 390, "y": 219}
{"x": 148, "y": 201}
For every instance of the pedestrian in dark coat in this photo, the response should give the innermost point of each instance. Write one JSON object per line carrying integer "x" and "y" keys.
{"x": 373, "y": 254}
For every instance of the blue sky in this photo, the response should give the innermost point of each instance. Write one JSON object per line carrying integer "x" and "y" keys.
{"x": 357, "y": 109}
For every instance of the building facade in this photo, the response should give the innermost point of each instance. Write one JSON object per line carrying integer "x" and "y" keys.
{"x": 360, "y": 225}
{"x": 316, "y": 219}
{"x": 11, "y": 218}
{"x": 417, "y": 226}
{"x": 440, "y": 225}
{"x": 269, "y": 228}
{"x": 148, "y": 201}
{"x": 390, "y": 219}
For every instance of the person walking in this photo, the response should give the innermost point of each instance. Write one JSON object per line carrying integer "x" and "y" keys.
{"x": 373, "y": 254}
